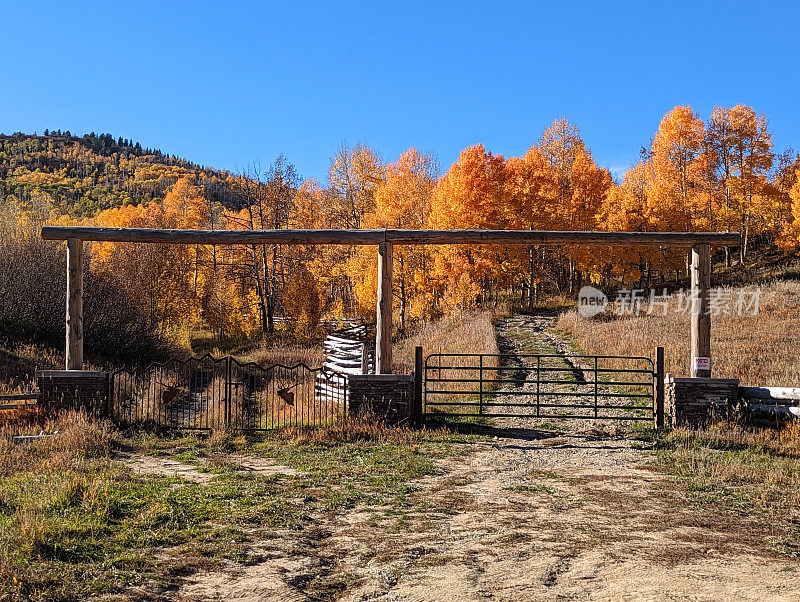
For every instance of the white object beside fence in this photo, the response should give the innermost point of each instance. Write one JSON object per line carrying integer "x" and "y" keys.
{"x": 347, "y": 352}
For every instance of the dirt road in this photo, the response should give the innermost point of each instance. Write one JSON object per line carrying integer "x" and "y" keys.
{"x": 578, "y": 513}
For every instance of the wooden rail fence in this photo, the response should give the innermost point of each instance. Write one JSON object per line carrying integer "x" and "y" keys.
{"x": 18, "y": 401}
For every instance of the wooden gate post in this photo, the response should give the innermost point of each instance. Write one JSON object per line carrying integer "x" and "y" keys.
{"x": 383, "y": 326}
{"x": 701, "y": 317}
{"x": 228, "y": 401}
{"x": 74, "y": 347}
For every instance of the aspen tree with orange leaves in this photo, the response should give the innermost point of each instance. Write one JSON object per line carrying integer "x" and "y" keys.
{"x": 789, "y": 238}
{"x": 314, "y": 264}
{"x": 532, "y": 189}
{"x": 354, "y": 177}
{"x": 582, "y": 186}
{"x": 675, "y": 167}
{"x": 589, "y": 186}
{"x": 561, "y": 143}
{"x": 625, "y": 209}
{"x": 751, "y": 160}
{"x": 470, "y": 195}
{"x": 403, "y": 200}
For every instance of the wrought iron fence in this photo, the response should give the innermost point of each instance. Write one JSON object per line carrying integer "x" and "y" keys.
{"x": 215, "y": 393}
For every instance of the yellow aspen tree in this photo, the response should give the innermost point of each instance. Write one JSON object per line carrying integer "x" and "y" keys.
{"x": 532, "y": 192}
{"x": 789, "y": 239}
{"x": 673, "y": 170}
{"x": 470, "y": 195}
{"x": 402, "y": 200}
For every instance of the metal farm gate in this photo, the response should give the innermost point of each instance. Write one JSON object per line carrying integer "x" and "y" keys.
{"x": 210, "y": 393}
{"x": 543, "y": 386}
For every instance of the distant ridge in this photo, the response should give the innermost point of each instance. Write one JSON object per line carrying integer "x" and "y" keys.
{"x": 82, "y": 175}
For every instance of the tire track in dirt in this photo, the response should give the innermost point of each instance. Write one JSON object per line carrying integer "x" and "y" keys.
{"x": 566, "y": 377}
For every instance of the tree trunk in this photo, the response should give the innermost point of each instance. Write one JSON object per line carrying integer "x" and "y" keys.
{"x": 262, "y": 304}
{"x": 532, "y": 279}
{"x": 745, "y": 239}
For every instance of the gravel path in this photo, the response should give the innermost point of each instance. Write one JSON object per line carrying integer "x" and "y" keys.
{"x": 529, "y": 516}
{"x": 519, "y": 336}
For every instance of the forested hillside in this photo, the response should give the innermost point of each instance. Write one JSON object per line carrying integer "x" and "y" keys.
{"x": 722, "y": 174}
{"x": 86, "y": 174}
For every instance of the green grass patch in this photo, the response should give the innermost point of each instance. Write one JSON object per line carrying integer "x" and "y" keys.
{"x": 76, "y": 524}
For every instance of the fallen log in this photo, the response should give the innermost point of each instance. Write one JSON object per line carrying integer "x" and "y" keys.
{"x": 774, "y": 410}
{"x": 786, "y": 395}
{"x": 773, "y": 402}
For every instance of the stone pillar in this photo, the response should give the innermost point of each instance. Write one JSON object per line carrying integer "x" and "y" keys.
{"x": 74, "y": 390}
{"x": 389, "y": 397}
{"x": 695, "y": 402}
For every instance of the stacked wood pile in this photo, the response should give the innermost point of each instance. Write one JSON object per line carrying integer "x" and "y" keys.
{"x": 695, "y": 402}
{"x": 348, "y": 352}
{"x": 771, "y": 402}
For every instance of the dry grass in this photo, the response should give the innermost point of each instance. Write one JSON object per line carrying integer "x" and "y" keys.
{"x": 466, "y": 333}
{"x": 19, "y": 364}
{"x": 363, "y": 429}
{"x": 752, "y": 472}
{"x": 469, "y": 333}
{"x": 780, "y": 441}
{"x": 21, "y": 417}
{"x": 288, "y": 355}
{"x": 759, "y": 350}
{"x": 79, "y": 437}
{"x": 76, "y": 523}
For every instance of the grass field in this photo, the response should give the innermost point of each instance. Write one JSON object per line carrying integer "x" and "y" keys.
{"x": 471, "y": 332}
{"x": 95, "y": 511}
{"x": 751, "y": 472}
{"x": 760, "y": 350}
{"x": 740, "y": 470}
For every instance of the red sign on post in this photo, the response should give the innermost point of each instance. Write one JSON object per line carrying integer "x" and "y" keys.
{"x": 702, "y": 363}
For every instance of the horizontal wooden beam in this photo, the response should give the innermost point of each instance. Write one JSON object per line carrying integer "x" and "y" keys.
{"x": 552, "y": 237}
{"x": 400, "y": 237}
{"x": 19, "y": 397}
{"x": 217, "y": 237}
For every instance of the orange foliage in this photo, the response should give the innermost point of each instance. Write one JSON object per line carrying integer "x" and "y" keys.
{"x": 789, "y": 239}
{"x": 471, "y": 194}
{"x": 695, "y": 176}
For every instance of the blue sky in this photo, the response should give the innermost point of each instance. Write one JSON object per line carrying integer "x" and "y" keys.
{"x": 225, "y": 84}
